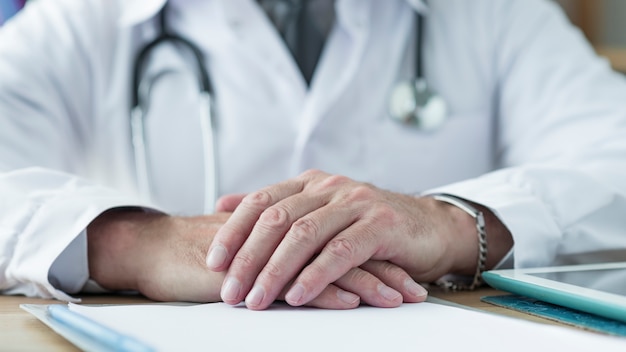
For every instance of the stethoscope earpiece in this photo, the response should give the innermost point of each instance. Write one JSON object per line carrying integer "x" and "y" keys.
{"x": 413, "y": 103}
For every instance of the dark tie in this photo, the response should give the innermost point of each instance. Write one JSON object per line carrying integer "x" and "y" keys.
{"x": 304, "y": 26}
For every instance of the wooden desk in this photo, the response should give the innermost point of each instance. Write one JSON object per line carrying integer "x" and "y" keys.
{"x": 21, "y": 331}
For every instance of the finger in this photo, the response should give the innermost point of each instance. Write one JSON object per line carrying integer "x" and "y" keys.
{"x": 333, "y": 297}
{"x": 271, "y": 225}
{"x": 229, "y": 203}
{"x": 371, "y": 289}
{"x": 395, "y": 277}
{"x": 304, "y": 239}
{"x": 349, "y": 249}
{"x": 231, "y": 236}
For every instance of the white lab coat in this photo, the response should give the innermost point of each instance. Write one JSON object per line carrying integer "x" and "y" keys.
{"x": 536, "y": 128}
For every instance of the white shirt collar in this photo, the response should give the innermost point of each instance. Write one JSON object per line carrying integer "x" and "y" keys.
{"x": 136, "y": 11}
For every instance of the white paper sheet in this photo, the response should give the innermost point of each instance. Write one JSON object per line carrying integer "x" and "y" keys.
{"x": 411, "y": 327}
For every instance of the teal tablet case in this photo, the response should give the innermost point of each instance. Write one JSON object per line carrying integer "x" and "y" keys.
{"x": 557, "y": 313}
{"x": 560, "y": 298}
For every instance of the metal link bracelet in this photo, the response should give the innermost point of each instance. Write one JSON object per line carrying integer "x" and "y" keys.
{"x": 477, "y": 281}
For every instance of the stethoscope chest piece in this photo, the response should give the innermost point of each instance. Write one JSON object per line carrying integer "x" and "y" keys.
{"x": 413, "y": 103}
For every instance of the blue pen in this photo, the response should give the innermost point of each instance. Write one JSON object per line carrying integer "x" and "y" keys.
{"x": 110, "y": 338}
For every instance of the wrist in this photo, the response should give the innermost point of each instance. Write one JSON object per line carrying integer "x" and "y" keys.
{"x": 479, "y": 240}
{"x": 114, "y": 248}
{"x": 461, "y": 237}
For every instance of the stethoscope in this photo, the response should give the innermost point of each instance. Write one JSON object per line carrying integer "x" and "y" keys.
{"x": 139, "y": 108}
{"x": 411, "y": 103}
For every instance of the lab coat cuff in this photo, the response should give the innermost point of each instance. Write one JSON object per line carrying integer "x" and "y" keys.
{"x": 54, "y": 235}
{"x": 70, "y": 270}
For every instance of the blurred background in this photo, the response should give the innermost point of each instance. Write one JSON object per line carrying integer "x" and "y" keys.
{"x": 604, "y": 24}
{"x": 8, "y": 8}
{"x": 602, "y": 21}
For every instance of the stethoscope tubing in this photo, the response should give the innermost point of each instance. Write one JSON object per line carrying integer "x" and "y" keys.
{"x": 141, "y": 95}
{"x": 209, "y": 146}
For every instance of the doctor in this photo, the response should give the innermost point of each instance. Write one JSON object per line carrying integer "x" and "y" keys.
{"x": 531, "y": 143}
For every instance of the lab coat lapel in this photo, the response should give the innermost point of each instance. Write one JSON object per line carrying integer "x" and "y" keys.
{"x": 263, "y": 44}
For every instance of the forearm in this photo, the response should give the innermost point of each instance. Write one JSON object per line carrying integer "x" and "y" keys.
{"x": 114, "y": 251}
{"x": 158, "y": 255}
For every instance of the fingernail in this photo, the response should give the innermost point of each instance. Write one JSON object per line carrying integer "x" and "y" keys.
{"x": 347, "y": 297}
{"x": 230, "y": 290}
{"x": 255, "y": 297}
{"x": 389, "y": 293}
{"x": 294, "y": 296}
{"x": 414, "y": 288}
{"x": 216, "y": 257}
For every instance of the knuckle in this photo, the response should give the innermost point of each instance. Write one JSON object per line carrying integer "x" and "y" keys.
{"x": 342, "y": 248}
{"x": 312, "y": 179}
{"x": 304, "y": 230}
{"x": 334, "y": 181}
{"x": 359, "y": 276}
{"x": 272, "y": 271}
{"x": 311, "y": 173}
{"x": 382, "y": 213}
{"x": 361, "y": 193}
{"x": 391, "y": 271}
{"x": 258, "y": 199}
{"x": 243, "y": 260}
{"x": 275, "y": 217}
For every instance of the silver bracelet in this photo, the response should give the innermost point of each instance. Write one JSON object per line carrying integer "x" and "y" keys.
{"x": 477, "y": 281}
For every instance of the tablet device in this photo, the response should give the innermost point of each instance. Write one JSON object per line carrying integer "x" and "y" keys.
{"x": 593, "y": 288}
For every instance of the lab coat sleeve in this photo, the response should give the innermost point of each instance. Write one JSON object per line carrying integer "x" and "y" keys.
{"x": 561, "y": 185}
{"x": 70, "y": 270}
{"x": 48, "y": 88}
